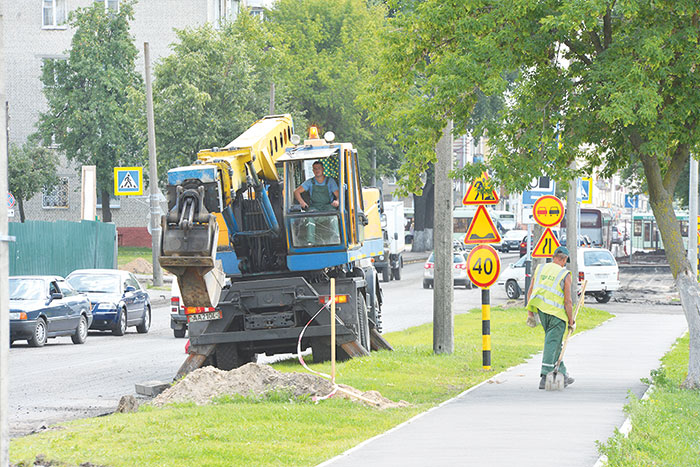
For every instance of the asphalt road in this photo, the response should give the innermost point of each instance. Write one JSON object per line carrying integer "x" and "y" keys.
{"x": 63, "y": 381}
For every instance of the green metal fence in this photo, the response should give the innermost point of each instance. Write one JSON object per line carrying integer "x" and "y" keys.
{"x": 61, "y": 247}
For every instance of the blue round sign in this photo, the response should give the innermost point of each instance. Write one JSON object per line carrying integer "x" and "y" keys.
{"x": 10, "y": 200}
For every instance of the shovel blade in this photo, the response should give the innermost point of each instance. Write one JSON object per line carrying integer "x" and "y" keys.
{"x": 554, "y": 381}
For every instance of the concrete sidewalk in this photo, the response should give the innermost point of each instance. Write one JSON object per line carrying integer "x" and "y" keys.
{"x": 507, "y": 421}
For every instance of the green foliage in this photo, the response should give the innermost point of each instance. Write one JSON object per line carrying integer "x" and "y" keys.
{"x": 601, "y": 81}
{"x": 30, "y": 168}
{"x": 275, "y": 429}
{"x": 213, "y": 86}
{"x": 95, "y": 97}
{"x": 665, "y": 425}
{"x": 326, "y": 53}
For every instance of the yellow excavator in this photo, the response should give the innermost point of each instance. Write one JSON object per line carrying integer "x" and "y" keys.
{"x": 254, "y": 267}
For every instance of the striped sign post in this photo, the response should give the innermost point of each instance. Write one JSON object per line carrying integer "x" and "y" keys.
{"x": 483, "y": 268}
{"x": 486, "y": 329}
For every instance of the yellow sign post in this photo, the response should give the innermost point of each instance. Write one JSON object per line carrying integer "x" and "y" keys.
{"x": 483, "y": 268}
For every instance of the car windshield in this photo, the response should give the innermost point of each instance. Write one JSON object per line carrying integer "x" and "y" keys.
{"x": 95, "y": 283}
{"x": 458, "y": 259}
{"x": 598, "y": 258}
{"x": 26, "y": 289}
{"x": 514, "y": 235}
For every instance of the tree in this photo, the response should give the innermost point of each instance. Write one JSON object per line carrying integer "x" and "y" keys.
{"x": 30, "y": 168}
{"x": 326, "y": 53}
{"x": 602, "y": 82}
{"x": 213, "y": 86}
{"x": 95, "y": 98}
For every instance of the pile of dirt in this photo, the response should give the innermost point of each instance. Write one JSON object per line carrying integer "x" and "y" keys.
{"x": 254, "y": 379}
{"x": 138, "y": 266}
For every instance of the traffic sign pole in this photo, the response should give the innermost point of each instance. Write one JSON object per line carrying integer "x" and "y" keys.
{"x": 486, "y": 329}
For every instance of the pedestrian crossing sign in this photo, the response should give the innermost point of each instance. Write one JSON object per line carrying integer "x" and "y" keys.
{"x": 481, "y": 191}
{"x": 546, "y": 246}
{"x": 128, "y": 181}
{"x": 481, "y": 229}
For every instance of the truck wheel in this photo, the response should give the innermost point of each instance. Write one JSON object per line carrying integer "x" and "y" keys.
{"x": 396, "y": 273}
{"x": 426, "y": 285}
{"x": 603, "y": 297}
{"x": 179, "y": 333}
{"x": 321, "y": 348}
{"x": 228, "y": 357}
{"x": 385, "y": 274}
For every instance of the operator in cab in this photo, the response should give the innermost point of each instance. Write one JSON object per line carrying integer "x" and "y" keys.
{"x": 323, "y": 191}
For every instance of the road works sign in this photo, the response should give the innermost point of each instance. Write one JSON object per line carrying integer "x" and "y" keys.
{"x": 128, "y": 180}
{"x": 548, "y": 211}
{"x": 481, "y": 191}
{"x": 482, "y": 229}
{"x": 483, "y": 266}
{"x": 546, "y": 246}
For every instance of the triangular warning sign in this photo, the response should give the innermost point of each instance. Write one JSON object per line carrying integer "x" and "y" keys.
{"x": 546, "y": 245}
{"x": 481, "y": 191}
{"x": 128, "y": 183}
{"x": 482, "y": 230}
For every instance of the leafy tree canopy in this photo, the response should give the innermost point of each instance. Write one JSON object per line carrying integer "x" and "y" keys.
{"x": 327, "y": 54}
{"x": 95, "y": 97}
{"x": 213, "y": 86}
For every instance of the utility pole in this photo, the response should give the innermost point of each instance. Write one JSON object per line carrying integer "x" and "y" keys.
{"x": 153, "y": 172}
{"x": 443, "y": 321}
{"x": 4, "y": 265}
{"x": 693, "y": 216}
{"x": 572, "y": 231}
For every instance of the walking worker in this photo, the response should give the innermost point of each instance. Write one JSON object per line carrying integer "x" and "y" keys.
{"x": 550, "y": 297}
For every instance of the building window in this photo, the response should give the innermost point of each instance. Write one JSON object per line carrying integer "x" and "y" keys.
{"x": 57, "y": 197}
{"x": 114, "y": 201}
{"x": 109, "y": 4}
{"x": 257, "y": 11}
{"x": 225, "y": 11}
{"x": 54, "y": 14}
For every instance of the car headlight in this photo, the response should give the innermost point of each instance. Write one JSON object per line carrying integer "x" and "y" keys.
{"x": 106, "y": 306}
{"x": 21, "y": 315}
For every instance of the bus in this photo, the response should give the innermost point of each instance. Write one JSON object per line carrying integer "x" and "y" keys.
{"x": 646, "y": 235}
{"x": 595, "y": 223}
{"x": 461, "y": 220}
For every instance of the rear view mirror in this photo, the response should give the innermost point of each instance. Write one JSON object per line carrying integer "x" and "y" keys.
{"x": 56, "y": 296}
{"x": 130, "y": 288}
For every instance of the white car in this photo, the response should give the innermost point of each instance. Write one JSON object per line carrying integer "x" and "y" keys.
{"x": 459, "y": 271}
{"x": 597, "y": 265}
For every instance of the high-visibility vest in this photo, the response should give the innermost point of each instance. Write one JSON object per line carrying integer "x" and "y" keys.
{"x": 548, "y": 291}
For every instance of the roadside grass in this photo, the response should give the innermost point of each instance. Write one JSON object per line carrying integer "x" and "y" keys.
{"x": 279, "y": 430}
{"x": 666, "y": 425}
{"x": 126, "y": 254}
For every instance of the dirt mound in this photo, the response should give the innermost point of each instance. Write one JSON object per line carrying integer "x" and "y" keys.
{"x": 253, "y": 379}
{"x": 138, "y": 266}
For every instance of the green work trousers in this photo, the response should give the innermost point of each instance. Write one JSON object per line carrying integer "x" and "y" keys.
{"x": 554, "y": 329}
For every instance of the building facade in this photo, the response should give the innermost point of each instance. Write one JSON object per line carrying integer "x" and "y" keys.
{"x": 36, "y": 31}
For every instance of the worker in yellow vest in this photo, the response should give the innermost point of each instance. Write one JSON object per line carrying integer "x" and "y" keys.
{"x": 550, "y": 297}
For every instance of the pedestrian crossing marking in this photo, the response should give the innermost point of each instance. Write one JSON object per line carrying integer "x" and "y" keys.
{"x": 128, "y": 180}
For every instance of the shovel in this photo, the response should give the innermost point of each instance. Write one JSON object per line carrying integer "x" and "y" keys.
{"x": 555, "y": 380}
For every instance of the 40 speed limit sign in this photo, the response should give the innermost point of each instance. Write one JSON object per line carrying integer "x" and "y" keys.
{"x": 483, "y": 266}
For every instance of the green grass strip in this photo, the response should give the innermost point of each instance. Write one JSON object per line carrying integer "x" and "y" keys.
{"x": 283, "y": 431}
{"x": 666, "y": 425}
{"x": 127, "y": 254}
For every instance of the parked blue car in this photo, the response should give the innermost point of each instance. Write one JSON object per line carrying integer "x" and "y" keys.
{"x": 117, "y": 298}
{"x": 47, "y": 306}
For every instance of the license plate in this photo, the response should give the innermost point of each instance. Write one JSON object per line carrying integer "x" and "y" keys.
{"x": 209, "y": 316}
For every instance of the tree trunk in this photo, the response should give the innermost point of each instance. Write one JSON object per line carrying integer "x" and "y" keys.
{"x": 661, "y": 201}
{"x": 20, "y": 205}
{"x": 106, "y": 212}
{"x": 423, "y": 217}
